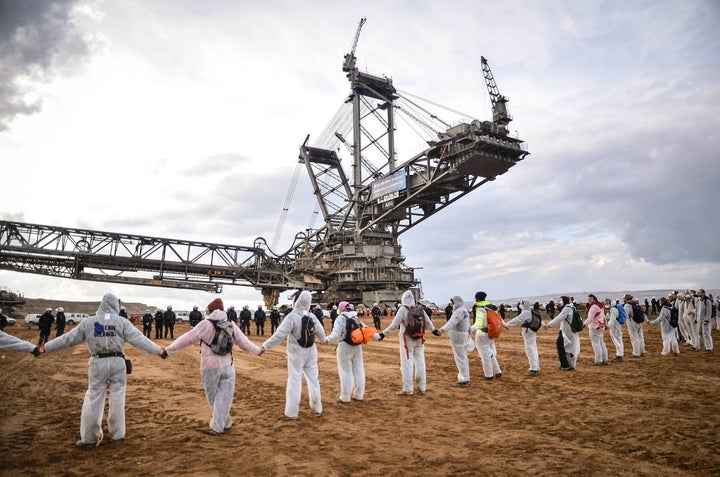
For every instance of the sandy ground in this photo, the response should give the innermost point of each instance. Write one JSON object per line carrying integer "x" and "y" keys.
{"x": 650, "y": 416}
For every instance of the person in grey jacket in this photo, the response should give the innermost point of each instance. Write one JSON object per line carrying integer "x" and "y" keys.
{"x": 106, "y": 334}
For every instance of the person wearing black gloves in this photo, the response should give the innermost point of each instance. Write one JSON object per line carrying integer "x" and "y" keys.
{"x": 195, "y": 316}
{"x": 60, "y": 322}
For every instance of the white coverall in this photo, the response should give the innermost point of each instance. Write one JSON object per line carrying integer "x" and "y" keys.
{"x": 667, "y": 332}
{"x": 458, "y": 330}
{"x": 412, "y": 351}
{"x": 351, "y": 368}
{"x": 595, "y": 323}
{"x": 571, "y": 340}
{"x": 217, "y": 371}
{"x": 106, "y": 332}
{"x": 635, "y": 330}
{"x": 615, "y": 328}
{"x": 703, "y": 315}
{"x": 529, "y": 336}
{"x": 485, "y": 345}
{"x": 686, "y": 309}
{"x": 13, "y": 343}
{"x": 300, "y": 361}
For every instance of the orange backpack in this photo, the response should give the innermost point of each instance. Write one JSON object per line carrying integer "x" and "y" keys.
{"x": 494, "y": 323}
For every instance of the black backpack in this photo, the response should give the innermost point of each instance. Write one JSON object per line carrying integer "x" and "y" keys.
{"x": 674, "y": 317}
{"x": 535, "y": 322}
{"x": 637, "y": 312}
{"x": 307, "y": 331}
{"x": 415, "y": 322}
{"x": 223, "y": 340}
{"x": 351, "y": 324}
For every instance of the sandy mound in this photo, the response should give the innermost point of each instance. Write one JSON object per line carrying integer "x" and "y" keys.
{"x": 649, "y": 416}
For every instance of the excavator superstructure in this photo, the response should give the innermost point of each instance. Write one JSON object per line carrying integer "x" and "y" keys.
{"x": 355, "y": 254}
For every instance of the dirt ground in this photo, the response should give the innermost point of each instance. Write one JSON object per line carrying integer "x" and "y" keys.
{"x": 650, "y": 416}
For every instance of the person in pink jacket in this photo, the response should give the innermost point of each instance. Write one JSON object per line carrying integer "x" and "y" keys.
{"x": 217, "y": 371}
{"x": 595, "y": 323}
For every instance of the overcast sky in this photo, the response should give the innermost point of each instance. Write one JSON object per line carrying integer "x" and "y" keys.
{"x": 183, "y": 119}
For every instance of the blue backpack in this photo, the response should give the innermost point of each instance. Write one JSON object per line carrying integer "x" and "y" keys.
{"x": 622, "y": 314}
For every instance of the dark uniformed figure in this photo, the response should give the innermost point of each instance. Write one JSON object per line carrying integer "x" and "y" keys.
{"x": 274, "y": 319}
{"x": 45, "y": 324}
{"x": 3, "y": 320}
{"x": 123, "y": 313}
{"x": 169, "y": 322}
{"x": 333, "y": 316}
{"x": 60, "y": 322}
{"x": 147, "y": 320}
{"x": 319, "y": 314}
{"x": 245, "y": 318}
{"x": 376, "y": 312}
{"x": 195, "y": 316}
{"x": 449, "y": 311}
{"x": 260, "y": 318}
{"x": 232, "y": 314}
{"x": 159, "y": 318}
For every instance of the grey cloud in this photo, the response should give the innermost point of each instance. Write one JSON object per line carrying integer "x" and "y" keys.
{"x": 13, "y": 217}
{"x": 219, "y": 163}
{"x": 37, "y": 39}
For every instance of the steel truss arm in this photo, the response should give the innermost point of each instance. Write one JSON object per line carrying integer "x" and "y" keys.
{"x": 135, "y": 259}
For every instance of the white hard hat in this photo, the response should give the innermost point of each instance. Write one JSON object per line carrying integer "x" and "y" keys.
{"x": 169, "y": 307}
{"x": 60, "y": 309}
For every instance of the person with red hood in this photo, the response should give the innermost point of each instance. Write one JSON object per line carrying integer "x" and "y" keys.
{"x": 595, "y": 323}
{"x": 217, "y": 371}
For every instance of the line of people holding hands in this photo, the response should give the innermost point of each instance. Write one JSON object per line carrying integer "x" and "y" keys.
{"x": 107, "y": 332}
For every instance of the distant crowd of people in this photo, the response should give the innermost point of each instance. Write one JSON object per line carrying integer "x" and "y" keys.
{"x": 683, "y": 318}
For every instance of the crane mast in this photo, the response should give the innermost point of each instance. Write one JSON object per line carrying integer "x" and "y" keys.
{"x": 355, "y": 255}
{"x": 498, "y": 101}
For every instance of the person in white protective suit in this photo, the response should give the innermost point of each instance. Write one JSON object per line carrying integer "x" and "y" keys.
{"x": 13, "y": 343}
{"x": 568, "y": 342}
{"x": 703, "y": 317}
{"x": 300, "y": 361}
{"x": 615, "y": 328}
{"x": 667, "y": 331}
{"x": 351, "y": 368}
{"x": 635, "y": 330}
{"x": 458, "y": 329}
{"x": 529, "y": 336}
{"x": 412, "y": 351}
{"x": 595, "y": 323}
{"x": 484, "y": 344}
{"x": 106, "y": 333}
{"x": 217, "y": 371}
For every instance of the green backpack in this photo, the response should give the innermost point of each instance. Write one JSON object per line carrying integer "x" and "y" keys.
{"x": 576, "y": 324}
